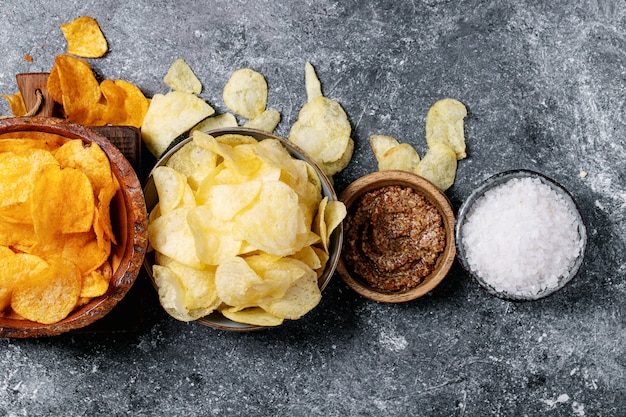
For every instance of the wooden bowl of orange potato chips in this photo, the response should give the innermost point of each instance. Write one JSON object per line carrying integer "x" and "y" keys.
{"x": 73, "y": 227}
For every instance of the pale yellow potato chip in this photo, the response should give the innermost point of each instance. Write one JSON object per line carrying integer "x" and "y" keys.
{"x": 180, "y": 77}
{"x": 171, "y": 235}
{"x": 214, "y": 238}
{"x": 199, "y": 285}
{"x": 438, "y": 166}
{"x": 299, "y": 299}
{"x": 171, "y": 293}
{"x": 227, "y": 200}
{"x": 444, "y": 125}
{"x": 216, "y": 122}
{"x": 309, "y": 256}
{"x": 273, "y": 221}
{"x": 381, "y": 144}
{"x": 402, "y": 157}
{"x": 255, "y": 316}
{"x": 173, "y": 190}
{"x": 194, "y": 162}
{"x": 169, "y": 116}
{"x": 84, "y": 38}
{"x": 245, "y": 93}
{"x": 237, "y": 284}
{"x": 322, "y": 130}
{"x": 311, "y": 82}
{"x": 333, "y": 216}
{"x": 266, "y": 121}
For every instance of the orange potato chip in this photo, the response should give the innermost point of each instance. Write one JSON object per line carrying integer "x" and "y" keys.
{"x": 80, "y": 89}
{"x": 19, "y": 266}
{"x": 54, "y": 85}
{"x": 96, "y": 283}
{"x": 135, "y": 104}
{"x": 16, "y": 102}
{"x": 53, "y": 212}
{"x": 90, "y": 159}
{"x": 84, "y": 38}
{"x": 49, "y": 295}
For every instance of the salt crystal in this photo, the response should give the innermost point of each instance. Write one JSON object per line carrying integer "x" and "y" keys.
{"x": 521, "y": 237}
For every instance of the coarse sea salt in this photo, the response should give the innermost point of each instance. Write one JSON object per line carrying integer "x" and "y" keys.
{"x": 521, "y": 238}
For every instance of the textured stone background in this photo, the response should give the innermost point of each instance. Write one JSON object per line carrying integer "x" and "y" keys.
{"x": 545, "y": 86}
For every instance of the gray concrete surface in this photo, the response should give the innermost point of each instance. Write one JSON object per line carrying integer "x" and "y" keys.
{"x": 545, "y": 86}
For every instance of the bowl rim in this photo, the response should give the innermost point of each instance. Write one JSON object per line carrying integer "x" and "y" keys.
{"x": 494, "y": 181}
{"x": 135, "y": 248}
{"x": 429, "y": 190}
{"x": 215, "y": 320}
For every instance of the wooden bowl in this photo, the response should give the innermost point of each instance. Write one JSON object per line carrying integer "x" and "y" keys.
{"x": 217, "y": 320}
{"x": 128, "y": 213}
{"x": 435, "y": 196}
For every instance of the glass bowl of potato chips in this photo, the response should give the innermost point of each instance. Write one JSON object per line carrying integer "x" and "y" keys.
{"x": 73, "y": 227}
{"x": 245, "y": 230}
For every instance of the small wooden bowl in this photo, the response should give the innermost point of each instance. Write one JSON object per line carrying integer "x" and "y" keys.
{"x": 128, "y": 212}
{"x": 436, "y": 197}
{"x": 216, "y": 320}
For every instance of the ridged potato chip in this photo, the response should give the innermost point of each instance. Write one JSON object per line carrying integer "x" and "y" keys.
{"x": 245, "y": 93}
{"x": 84, "y": 38}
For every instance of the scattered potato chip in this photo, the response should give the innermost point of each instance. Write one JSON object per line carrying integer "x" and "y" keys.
{"x": 381, "y": 144}
{"x": 16, "y": 103}
{"x": 323, "y": 129}
{"x": 84, "y": 38}
{"x": 311, "y": 82}
{"x": 438, "y": 166}
{"x": 402, "y": 157}
{"x": 266, "y": 121}
{"x": 245, "y": 93}
{"x": 169, "y": 116}
{"x": 216, "y": 122}
{"x": 444, "y": 125}
{"x": 180, "y": 77}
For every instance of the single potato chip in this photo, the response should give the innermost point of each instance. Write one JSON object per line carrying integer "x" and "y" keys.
{"x": 84, "y": 38}
{"x": 216, "y": 122}
{"x": 381, "y": 144}
{"x": 402, "y": 157}
{"x": 180, "y": 77}
{"x": 49, "y": 295}
{"x": 444, "y": 125}
{"x": 245, "y": 93}
{"x": 299, "y": 299}
{"x": 16, "y": 103}
{"x": 438, "y": 166}
{"x": 169, "y": 116}
{"x": 255, "y": 316}
{"x": 311, "y": 82}
{"x": 266, "y": 121}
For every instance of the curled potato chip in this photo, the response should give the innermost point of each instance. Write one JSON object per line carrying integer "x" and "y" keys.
{"x": 180, "y": 77}
{"x": 311, "y": 82}
{"x": 84, "y": 38}
{"x": 444, "y": 125}
{"x": 299, "y": 298}
{"x": 169, "y": 116}
{"x": 255, "y": 316}
{"x": 171, "y": 235}
{"x": 438, "y": 166}
{"x": 16, "y": 103}
{"x": 245, "y": 93}
{"x": 80, "y": 89}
